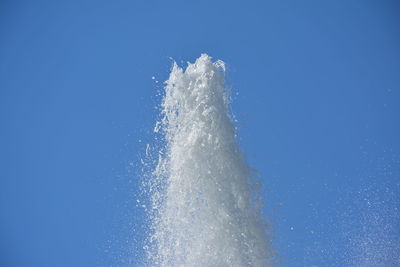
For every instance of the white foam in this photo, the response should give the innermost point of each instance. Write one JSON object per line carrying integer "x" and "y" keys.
{"x": 204, "y": 199}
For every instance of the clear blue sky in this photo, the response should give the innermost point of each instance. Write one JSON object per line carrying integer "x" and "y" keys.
{"x": 318, "y": 86}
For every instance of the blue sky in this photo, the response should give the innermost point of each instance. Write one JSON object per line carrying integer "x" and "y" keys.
{"x": 316, "y": 91}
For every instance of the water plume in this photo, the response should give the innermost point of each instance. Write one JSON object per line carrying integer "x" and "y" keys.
{"x": 204, "y": 208}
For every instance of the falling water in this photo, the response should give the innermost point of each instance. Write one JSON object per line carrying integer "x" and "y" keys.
{"x": 204, "y": 205}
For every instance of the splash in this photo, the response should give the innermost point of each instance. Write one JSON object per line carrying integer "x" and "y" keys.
{"x": 204, "y": 205}
{"x": 373, "y": 239}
